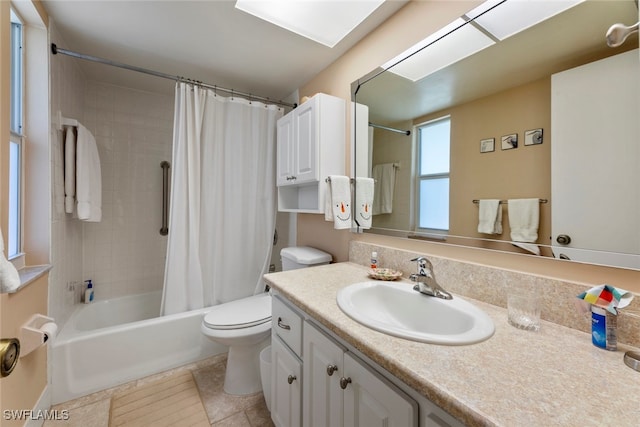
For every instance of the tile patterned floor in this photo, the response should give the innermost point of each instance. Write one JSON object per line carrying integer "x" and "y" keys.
{"x": 224, "y": 410}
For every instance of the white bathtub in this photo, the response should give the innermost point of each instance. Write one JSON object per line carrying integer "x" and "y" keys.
{"x": 111, "y": 342}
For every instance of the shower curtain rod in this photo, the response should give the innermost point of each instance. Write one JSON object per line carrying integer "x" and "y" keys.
{"x": 55, "y": 50}
{"x": 406, "y": 132}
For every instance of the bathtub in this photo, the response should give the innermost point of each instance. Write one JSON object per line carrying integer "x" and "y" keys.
{"x": 111, "y": 342}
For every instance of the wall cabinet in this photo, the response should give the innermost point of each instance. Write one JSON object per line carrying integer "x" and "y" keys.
{"x": 310, "y": 147}
{"x": 317, "y": 380}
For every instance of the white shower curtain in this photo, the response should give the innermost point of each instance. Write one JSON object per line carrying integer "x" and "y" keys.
{"x": 223, "y": 199}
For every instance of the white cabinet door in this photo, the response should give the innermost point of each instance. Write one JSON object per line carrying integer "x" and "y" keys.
{"x": 306, "y": 141}
{"x": 370, "y": 400}
{"x": 285, "y": 151}
{"x": 286, "y": 387}
{"x": 323, "y": 398}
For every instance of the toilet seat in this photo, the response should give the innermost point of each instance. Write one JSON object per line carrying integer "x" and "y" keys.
{"x": 240, "y": 314}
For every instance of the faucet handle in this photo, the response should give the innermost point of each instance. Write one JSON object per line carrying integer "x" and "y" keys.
{"x": 423, "y": 263}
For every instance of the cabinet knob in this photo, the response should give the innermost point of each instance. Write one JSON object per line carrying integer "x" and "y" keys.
{"x": 563, "y": 239}
{"x": 331, "y": 369}
{"x": 291, "y": 379}
{"x": 344, "y": 382}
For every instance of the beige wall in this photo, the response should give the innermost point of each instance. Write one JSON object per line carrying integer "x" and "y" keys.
{"x": 409, "y": 25}
{"x": 412, "y": 23}
{"x": 23, "y": 388}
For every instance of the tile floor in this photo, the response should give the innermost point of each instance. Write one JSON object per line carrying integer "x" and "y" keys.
{"x": 224, "y": 410}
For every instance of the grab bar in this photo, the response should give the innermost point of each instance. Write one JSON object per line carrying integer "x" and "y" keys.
{"x": 165, "y": 197}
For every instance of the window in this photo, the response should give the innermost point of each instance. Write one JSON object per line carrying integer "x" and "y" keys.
{"x": 15, "y": 151}
{"x": 433, "y": 175}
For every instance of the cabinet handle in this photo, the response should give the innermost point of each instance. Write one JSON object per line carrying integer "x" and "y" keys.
{"x": 283, "y": 325}
{"x": 291, "y": 378}
{"x": 344, "y": 382}
{"x": 331, "y": 369}
{"x": 291, "y": 178}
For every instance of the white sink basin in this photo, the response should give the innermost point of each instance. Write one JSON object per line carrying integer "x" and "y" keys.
{"x": 396, "y": 309}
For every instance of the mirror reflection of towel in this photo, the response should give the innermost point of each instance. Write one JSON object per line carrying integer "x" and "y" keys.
{"x": 489, "y": 216}
{"x": 364, "y": 189}
{"x": 385, "y": 178}
{"x": 524, "y": 217}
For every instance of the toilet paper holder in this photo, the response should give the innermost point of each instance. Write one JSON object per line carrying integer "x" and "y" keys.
{"x": 34, "y": 333}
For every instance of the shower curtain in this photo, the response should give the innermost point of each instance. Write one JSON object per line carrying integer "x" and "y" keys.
{"x": 223, "y": 199}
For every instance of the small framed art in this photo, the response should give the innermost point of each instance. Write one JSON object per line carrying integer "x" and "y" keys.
{"x": 487, "y": 145}
{"x": 510, "y": 141}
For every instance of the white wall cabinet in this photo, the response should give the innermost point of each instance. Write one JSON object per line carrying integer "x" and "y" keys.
{"x": 310, "y": 147}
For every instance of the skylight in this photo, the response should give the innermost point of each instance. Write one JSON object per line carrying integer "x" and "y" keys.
{"x": 505, "y": 20}
{"x": 325, "y": 22}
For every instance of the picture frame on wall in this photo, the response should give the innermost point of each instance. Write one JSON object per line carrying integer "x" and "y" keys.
{"x": 533, "y": 137}
{"x": 487, "y": 145}
{"x": 509, "y": 141}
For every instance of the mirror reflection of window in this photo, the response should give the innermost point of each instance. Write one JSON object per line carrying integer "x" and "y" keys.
{"x": 433, "y": 175}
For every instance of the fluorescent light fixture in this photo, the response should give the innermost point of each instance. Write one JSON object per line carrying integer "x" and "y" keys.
{"x": 514, "y": 16}
{"x": 506, "y": 19}
{"x": 459, "y": 44}
{"x": 323, "y": 21}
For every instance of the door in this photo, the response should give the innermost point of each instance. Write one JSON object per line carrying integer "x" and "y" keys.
{"x": 595, "y": 133}
{"x": 323, "y": 402}
{"x": 286, "y": 388}
{"x": 372, "y": 401}
{"x": 306, "y": 141}
{"x": 285, "y": 150}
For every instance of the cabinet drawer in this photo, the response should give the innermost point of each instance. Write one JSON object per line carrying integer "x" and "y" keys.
{"x": 287, "y": 324}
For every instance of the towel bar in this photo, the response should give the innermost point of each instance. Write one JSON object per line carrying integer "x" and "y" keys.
{"x": 504, "y": 202}
{"x": 165, "y": 197}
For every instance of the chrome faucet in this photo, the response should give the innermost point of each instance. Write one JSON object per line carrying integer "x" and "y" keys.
{"x": 426, "y": 280}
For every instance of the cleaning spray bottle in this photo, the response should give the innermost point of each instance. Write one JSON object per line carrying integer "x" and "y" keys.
{"x": 88, "y": 293}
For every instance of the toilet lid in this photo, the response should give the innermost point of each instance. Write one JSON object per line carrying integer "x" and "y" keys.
{"x": 242, "y": 313}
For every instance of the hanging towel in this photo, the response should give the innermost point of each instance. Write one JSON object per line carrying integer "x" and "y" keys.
{"x": 69, "y": 169}
{"x": 364, "y": 201}
{"x": 385, "y": 177}
{"x": 9, "y": 277}
{"x": 88, "y": 177}
{"x": 529, "y": 247}
{"x": 337, "y": 201}
{"x": 524, "y": 217}
{"x": 489, "y": 216}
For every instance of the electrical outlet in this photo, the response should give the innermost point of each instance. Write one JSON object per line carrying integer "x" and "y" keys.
{"x": 71, "y": 286}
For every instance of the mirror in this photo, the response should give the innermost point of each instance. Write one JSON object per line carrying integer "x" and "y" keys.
{"x": 500, "y": 93}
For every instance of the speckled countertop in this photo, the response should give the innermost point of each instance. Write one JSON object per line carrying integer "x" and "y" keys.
{"x": 516, "y": 378}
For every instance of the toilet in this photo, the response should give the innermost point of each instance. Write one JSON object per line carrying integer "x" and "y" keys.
{"x": 244, "y": 325}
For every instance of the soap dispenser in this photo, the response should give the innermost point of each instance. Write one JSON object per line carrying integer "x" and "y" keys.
{"x": 88, "y": 293}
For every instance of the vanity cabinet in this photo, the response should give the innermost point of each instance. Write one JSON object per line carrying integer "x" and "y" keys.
{"x": 340, "y": 390}
{"x": 310, "y": 147}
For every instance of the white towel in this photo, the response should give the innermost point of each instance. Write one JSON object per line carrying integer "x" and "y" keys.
{"x": 364, "y": 201}
{"x": 489, "y": 216}
{"x": 385, "y": 177}
{"x": 88, "y": 177}
{"x": 9, "y": 277}
{"x": 337, "y": 201}
{"x": 524, "y": 217}
{"x": 529, "y": 247}
{"x": 69, "y": 169}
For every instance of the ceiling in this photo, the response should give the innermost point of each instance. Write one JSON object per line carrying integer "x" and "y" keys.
{"x": 210, "y": 41}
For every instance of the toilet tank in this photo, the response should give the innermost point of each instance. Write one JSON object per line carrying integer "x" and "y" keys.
{"x": 303, "y": 256}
